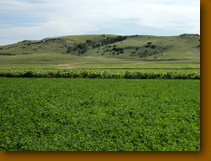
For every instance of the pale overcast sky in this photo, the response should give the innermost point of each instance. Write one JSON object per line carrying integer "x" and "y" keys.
{"x": 37, "y": 19}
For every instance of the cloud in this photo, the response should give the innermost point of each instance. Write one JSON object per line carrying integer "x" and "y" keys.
{"x": 46, "y": 18}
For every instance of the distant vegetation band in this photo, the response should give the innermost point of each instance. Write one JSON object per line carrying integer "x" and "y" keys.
{"x": 99, "y": 74}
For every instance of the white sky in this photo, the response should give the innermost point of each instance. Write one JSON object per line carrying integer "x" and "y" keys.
{"x": 37, "y": 19}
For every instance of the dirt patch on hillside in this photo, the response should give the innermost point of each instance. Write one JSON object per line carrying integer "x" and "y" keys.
{"x": 195, "y": 65}
{"x": 63, "y": 65}
{"x": 70, "y": 68}
{"x": 67, "y": 66}
{"x": 4, "y": 68}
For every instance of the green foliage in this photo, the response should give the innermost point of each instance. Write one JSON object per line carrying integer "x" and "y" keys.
{"x": 153, "y": 46}
{"x": 69, "y": 49}
{"x": 99, "y": 115}
{"x": 82, "y": 48}
{"x": 99, "y": 74}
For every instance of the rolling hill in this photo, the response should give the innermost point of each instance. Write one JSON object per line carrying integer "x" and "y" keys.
{"x": 136, "y": 47}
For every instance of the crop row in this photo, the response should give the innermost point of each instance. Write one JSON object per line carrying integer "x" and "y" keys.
{"x": 57, "y": 114}
{"x": 99, "y": 74}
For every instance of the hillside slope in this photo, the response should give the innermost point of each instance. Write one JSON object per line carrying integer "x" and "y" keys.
{"x": 137, "y": 47}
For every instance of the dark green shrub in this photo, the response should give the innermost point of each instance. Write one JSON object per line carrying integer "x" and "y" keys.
{"x": 153, "y": 46}
{"x": 29, "y": 74}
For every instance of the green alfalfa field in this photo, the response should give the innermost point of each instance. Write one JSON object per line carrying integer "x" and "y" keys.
{"x": 62, "y": 114}
{"x": 101, "y": 93}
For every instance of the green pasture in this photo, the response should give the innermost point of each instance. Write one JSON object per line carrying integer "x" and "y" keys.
{"x": 71, "y": 62}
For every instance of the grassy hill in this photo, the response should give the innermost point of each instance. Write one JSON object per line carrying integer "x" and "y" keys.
{"x": 103, "y": 51}
{"x": 130, "y": 47}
